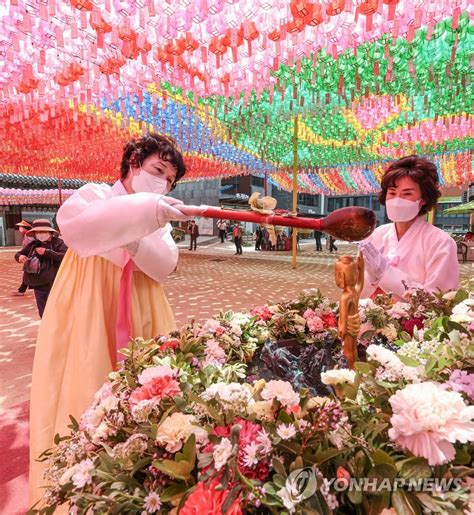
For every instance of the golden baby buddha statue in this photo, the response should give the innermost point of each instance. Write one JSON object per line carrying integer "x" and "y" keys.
{"x": 350, "y": 278}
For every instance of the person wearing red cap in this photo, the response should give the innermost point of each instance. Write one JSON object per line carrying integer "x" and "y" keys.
{"x": 23, "y": 228}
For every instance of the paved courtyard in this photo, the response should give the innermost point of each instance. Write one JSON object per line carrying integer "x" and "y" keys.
{"x": 206, "y": 281}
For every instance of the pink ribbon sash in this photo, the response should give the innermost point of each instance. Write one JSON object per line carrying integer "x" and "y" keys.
{"x": 123, "y": 324}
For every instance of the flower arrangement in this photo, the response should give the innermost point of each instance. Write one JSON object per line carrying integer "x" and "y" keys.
{"x": 182, "y": 428}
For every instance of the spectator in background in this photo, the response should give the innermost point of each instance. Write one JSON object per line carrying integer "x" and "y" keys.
{"x": 41, "y": 259}
{"x": 23, "y": 228}
{"x": 317, "y": 237}
{"x": 237, "y": 236}
{"x": 194, "y": 233}
{"x": 258, "y": 237}
{"x": 331, "y": 244}
{"x": 222, "y": 226}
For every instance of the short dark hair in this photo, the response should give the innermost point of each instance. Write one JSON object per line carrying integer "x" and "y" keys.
{"x": 420, "y": 170}
{"x": 136, "y": 151}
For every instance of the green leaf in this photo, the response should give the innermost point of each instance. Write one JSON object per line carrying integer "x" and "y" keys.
{"x": 140, "y": 464}
{"x": 350, "y": 392}
{"x": 279, "y": 467}
{"x": 323, "y": 456}
{"x": 382, "y": 473}
{"x": 355, "y": 496}
{"x": 462, "y": 471}
{"x": 462, "y": 457}
{"x": 284, "y": 417}
{"x": 231, "y": 497}
{"x": 380, "y": 457}
{"x": 405, "y": 336}
{"x": 451, "y": 325}
{"x": 409, "y": 362}
{"x": 361, "y": 464}
{"x": 415, "y": 468}
{"x": 405, "y": 505}
{"x": 364, "y": 368}
{"x": 279, "y": 481}
{"x": 429, "y": 503}
{"x": 367, "y": 335}
{"x": 460, "y": 296}
{"x": 430, "y": 364}
{"x": 173, "y": 491}
{"x": 189, "y": 449}
{"x": 179, "y": 470}
{"x": 378, "y": 503}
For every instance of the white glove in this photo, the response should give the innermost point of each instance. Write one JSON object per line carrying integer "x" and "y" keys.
{"x": 376, "y": 263}
{"x": 169, "y": 208}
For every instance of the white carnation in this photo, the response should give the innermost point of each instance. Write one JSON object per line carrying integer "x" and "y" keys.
{"x": 338, "y": 376}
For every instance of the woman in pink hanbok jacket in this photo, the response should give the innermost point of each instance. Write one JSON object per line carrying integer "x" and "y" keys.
{"x": 410, "y": 252}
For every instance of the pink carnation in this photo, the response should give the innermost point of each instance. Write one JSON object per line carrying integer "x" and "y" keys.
{"x": 313, "y": 321}
{"x": 427, "y": 420}
{"x": 212, "y": 326}
{"x": 155, "y": 390}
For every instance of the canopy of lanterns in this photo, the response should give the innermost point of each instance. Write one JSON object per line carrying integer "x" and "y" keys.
{"x": 368, "y": 80}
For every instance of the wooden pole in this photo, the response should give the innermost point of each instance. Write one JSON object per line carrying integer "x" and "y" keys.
{"x": 60, "y": 192}
{"x": 295, "y": 188}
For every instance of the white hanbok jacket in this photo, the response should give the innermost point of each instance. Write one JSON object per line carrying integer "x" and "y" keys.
{"x": 425, "y": 257}
{"x": 106, "y": 221}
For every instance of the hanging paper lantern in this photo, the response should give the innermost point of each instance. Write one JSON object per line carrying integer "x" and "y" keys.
{"x": 300, "y": 8}
{"x": 314, "y": 16}
{"x": 99, "y": 24}
{"x": 82, "y": 5}
{"x": 175, "y": 47}
{"x": 335, "y": 7}
{"x": 295, "y": 25}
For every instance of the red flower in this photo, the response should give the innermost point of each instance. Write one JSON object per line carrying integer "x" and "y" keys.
{"x": 329, "y": 320}
{"x": 156, "y": 389}
{"x": 249, "y": 433}
{"x": 170, "y": 344}
{"x": 262, "y": 313}
{"x": 342, "y": 473}
{"x": 206, "y": 500}
{"x": 409, "y": 325}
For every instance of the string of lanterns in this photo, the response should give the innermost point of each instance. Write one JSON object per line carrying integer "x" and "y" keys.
{"x": 370, "y": 81}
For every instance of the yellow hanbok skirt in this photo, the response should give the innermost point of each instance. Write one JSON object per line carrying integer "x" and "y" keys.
{"x": 76, "y": 345}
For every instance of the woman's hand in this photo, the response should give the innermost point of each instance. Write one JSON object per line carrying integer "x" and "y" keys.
{"x": 376, "y": 263}
{"x": 169, "y": 209}
{"x": 22, "y": 259}
{"x": 40, "y": 251}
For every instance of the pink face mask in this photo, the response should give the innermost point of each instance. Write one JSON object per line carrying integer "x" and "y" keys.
{"x": 402, "y": 210}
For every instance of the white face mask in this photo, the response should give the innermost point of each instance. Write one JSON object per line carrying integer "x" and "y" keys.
{"x": 42, "y": 236}
{"x": 145, "y": 182}
{"x": 402, "y": 210}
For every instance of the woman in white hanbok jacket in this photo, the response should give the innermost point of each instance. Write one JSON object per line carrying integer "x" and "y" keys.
{"x": 108, "y": 288}
{"x": 410, "y": 252}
